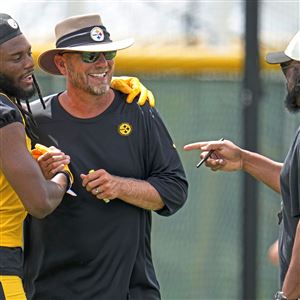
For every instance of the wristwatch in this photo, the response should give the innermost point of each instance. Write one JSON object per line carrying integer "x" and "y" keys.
{"x": 280, "y": 296}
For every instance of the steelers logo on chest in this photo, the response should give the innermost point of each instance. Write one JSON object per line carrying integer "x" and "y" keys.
{"x": 125, "y": 129}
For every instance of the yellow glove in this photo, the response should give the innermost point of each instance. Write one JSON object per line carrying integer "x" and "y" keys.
{"x": 40, "y": 150}
{"x": 132, "y": 86}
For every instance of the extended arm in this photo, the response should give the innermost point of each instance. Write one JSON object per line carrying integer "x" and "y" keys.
{"x": 291, "y": 284}
{"x": 39, "y": 197}
{"x": 229, "y": 157}
{"x": 262, "y": 168}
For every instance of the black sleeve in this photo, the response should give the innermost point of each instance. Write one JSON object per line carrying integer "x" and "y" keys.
{"x": 295, "y": 179}
{"x": 166, "y": 171}
{"x": 8, "y": 112}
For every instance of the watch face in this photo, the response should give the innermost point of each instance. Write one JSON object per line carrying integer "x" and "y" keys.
{"x": 280, "y": 296}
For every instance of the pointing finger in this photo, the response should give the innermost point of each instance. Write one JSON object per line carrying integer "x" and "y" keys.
{"x": 194, "y": 146}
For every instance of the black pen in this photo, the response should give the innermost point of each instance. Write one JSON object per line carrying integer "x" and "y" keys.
{"x": 205, "y": 158}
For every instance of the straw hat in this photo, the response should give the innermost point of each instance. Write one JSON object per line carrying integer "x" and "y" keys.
{"x": 84, "y": 33}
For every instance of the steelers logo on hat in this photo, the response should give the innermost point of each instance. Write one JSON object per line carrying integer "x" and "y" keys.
{"x": 9, "y": 28}
{"x": 125, "y": 129}
{"x": 97, "y": 34}
{"x": 12, "y": 23}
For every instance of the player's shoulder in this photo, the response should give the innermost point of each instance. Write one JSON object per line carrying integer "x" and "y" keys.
{"x": 9, "y": 113}
{"x": 5, "y": 100}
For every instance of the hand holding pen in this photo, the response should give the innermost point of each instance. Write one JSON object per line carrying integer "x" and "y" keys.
{"x": 227, "y": 156}
{"x": 207, "y": 156}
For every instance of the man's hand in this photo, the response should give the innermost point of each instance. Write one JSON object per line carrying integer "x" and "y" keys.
{"x": 226, "y": 155}
{"x": 132, "y": 86}
{"x": 101, "y": 184}
{"x": 51, "y": 160}
{"x": 132, "y": 191}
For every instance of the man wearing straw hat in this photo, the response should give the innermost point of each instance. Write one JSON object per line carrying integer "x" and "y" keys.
{"x": 283, "y": 178}
{"x": 125, "y": 165}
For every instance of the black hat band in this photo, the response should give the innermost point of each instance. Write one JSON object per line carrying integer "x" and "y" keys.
{"x": 84, "y": 36}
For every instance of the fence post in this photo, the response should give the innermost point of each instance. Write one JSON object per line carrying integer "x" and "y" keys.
{"x": 250, "y": 98}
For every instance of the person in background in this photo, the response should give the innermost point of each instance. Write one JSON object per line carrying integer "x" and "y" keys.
{"x": 281, "y": 177}
{"x": 98, "y": 245}
{"x": 273, "y": 254}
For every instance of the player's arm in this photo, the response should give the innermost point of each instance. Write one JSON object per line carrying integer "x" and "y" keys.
{"x": 263, "y": 169}
{"x": 291, "y": 284}
{"x": 39, "y": 196}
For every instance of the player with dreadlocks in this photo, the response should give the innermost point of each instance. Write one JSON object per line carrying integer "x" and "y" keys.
{"x": 23, "y": 188}
{"x": 8, "y": 83}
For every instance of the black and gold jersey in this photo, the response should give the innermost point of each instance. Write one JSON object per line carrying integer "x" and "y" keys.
{"x": 12, "y": 211}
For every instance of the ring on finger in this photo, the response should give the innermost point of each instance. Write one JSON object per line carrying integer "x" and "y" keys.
{"x": 97, "y": 190}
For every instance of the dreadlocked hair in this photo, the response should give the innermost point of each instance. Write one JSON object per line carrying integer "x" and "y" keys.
{"x": 30, "y": 124}
{"x": 38, "y": 91}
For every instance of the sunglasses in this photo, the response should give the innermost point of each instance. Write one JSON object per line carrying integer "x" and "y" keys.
{"x": 91, "y": 57}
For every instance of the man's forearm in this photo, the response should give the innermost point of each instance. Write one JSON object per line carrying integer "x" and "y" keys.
{"x": 139, "y": 193}
{"x": 262, "y": 168}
